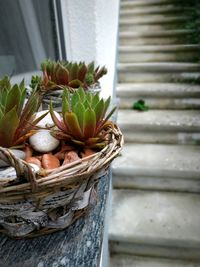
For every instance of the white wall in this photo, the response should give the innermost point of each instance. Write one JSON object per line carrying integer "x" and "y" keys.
{"x": 90, "y": 28}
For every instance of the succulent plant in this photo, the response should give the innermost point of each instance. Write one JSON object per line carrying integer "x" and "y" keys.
{"x": 17, "y": 119}
{"x": 83, "y": 119}
{"x": 70, "y": 74}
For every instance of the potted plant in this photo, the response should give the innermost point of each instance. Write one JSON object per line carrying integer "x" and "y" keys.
{"x": 64, "y": 74}
{"x": 17, "y": 116}
{"x": 61, "y": 186}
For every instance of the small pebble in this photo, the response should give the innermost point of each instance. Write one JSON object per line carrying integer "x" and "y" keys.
{"x": 87, "y": 152}
{"x": 49, "y": 162}
{"x": 43, "y": 141}
{"x": 70, "y": 157}
{"x": 35, "y": 161}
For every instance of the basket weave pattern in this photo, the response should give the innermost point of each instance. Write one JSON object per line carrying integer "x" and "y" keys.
{"x": 47, "y": 201}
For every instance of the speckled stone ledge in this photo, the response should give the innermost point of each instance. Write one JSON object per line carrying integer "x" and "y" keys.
{"x": 78, "y": 246}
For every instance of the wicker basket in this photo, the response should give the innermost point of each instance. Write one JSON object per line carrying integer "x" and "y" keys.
{"x": 56, "y": 96}
{"x": 39, "y": 203}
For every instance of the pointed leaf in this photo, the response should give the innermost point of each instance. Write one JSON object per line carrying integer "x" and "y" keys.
{"x": 62, "y": 75}
{"x": 95, "y": 100}
{"x": 13, "y": 98}
{"x": 73, "y": 125}
{"x": 107, "y": 103}
{"x": 91, "y": 67}
{"x": 65, "y": 106}
{"x": 60, "y": 135}
{"x": 81, "y": 93}
{"x": 98, "y": 146}
{"x": 73, "y": 72}
{"x": 57, "y": 120}
{"x": 22, "y": 102}
{"x": 89, "y": 97}
{"x": 8, "y": 126}
{"x": 82, "y": 72}
{"x": 100, "y": 73}
{"x": 80, "y": 112}
{"x": 66, "y": 94}
{"x": 99, "y": 110}
{"x": 110, "y": 114}
{"x": 75, "y": 99}
{"x": 93, "y": 140}
{"x": 86, "y": 104}
{"x": 105, "y": 121}
{"x": 89, "y": 123}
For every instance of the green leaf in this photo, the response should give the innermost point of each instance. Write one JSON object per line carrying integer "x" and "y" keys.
{"x": 22, "y": 101}
{"x": 89, "y": 123}
{"x": 89, "y": 97}
{"x": 1, "y": 113}
{"x": 82, "y": 72}
{"x": 93, "y": 140}
{"x": 73, "y": 125}
{"x": 107, "y": 103}
{"x": 110, "y": 114}
{"x": 4, "y": 93}
{"x": 65, "y": 102}
{"x": 8, "y": 126}
{"x": 80, "y": 112}
{"x": 56, "y": 120}
{"x": 91, "y": 67}
{"x": 62, "y": 75}
{"x": 73, "y": 72}
{"x": 5, "y": 83}
{"x": 99, "y": 110}
{"x": 86, "y": 104}
{"x": 95, "y": 100}
{"x": 81, "y": 93}
{"x": 105, "y": 121}
{"x": 66, "y": 94}
{"x": 100, "y": 73}
{"x": 13, "y": 98}
{"x": 75, "y": 83}
{"x": 140, "y": 105}
{"x": 74, "y": 100}
{"x": 89, "y": 79}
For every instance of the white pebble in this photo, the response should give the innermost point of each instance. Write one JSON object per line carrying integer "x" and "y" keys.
{"x": 43, "y": 141}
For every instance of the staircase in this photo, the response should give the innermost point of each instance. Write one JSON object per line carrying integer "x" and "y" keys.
{"x": 156, "y": 198}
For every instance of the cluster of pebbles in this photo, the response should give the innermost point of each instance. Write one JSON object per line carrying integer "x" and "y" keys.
{"x": 44, "y": 151}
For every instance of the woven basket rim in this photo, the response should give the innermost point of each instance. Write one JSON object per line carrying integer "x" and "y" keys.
{"x": 70, "y": 174}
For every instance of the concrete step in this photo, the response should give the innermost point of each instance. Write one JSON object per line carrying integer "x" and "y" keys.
{"x": 150, "y": 10}
{"x": 159, "y": 53}
{"x": 165, "y": 103}
{"x": 153, "y": 19}
{"x": 160, "y": 126}
{"x": 160, "y": 96}
{"x": 149, "y": 27}
{"x": 152, "y": 22}
{"x": 157, "y": 72}
{"x": 161, "y": 224}
{"x": 159, "y": 37}
{"x": 144, "y": 77}
{"x": 158, "y": 90}
{"x": 161, "y": 67}
{"x": 124, "y": 260}
{"x": 143, "y": 3}
{"x": 158, "y": 167}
